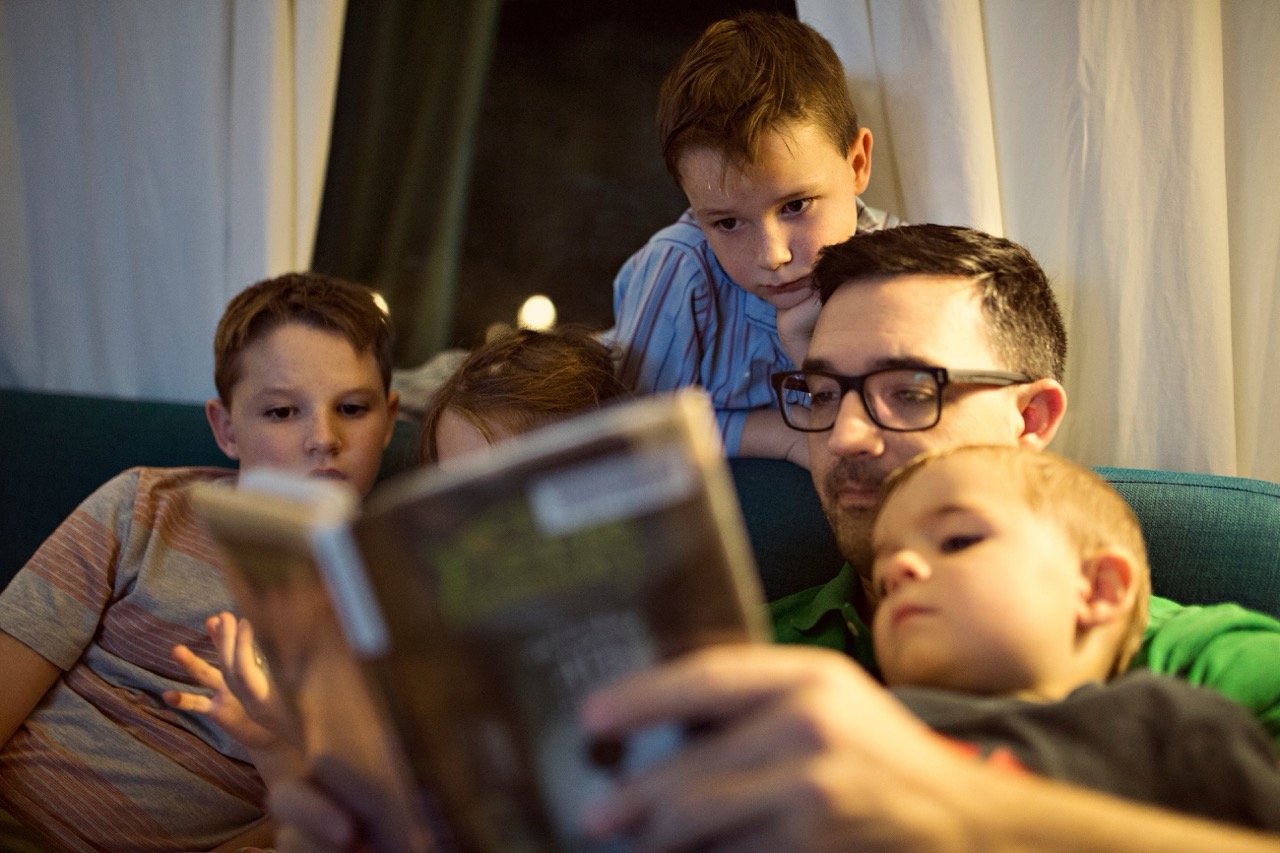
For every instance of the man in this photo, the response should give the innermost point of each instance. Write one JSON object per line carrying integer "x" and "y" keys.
{"x": 929, "y": 337}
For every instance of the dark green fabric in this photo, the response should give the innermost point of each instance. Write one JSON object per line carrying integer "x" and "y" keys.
{"x": 823, "y": 616}
{"x": 793, "y": 544}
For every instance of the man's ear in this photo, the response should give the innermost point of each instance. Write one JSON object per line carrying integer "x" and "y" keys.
{"x": 859, "y": 158}
{"x": 1042, "y": 404}
{"x": 219, "y": 418}
{"x": 1110, "y": 588}
{"x": 393, "y": 409}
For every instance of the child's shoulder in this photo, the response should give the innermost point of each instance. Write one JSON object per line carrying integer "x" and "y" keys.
{"x": 684, "y": 233}
{"x": 149, "y": 494}
{"x": 675, "y": 265}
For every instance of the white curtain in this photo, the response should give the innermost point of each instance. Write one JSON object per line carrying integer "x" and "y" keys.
{"x": 156, "y": 157}
{"x": 1131, "y": 145}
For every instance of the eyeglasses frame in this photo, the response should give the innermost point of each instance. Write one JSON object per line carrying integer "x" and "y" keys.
{"x": 857, "y": 384}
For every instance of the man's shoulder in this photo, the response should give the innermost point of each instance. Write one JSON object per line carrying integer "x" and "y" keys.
{"x": 824, "y": 615}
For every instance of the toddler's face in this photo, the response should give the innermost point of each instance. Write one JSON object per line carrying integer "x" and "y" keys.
{"x": 977, "y": 592}
{"x": 307, "y": 402}
{"x": 767, "y": 223}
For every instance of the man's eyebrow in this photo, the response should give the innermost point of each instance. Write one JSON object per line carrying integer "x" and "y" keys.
{"x": 878, "y": 364}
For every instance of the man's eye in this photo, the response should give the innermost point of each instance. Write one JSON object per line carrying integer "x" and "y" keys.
{"x": 726, "y": 224}
{"x": 797, "y": 206}
{"x": 824, "y": 399}
{"x": 278, "y": 413}
{"x": 952, "y": 544}
{"x": 352, "y": 410}
{"x": 913, "y": 395}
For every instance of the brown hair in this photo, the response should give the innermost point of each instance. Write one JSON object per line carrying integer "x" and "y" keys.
{"x": 1091, "y": 513}
{"x": 746, "y": 76}
{"x": 315, "y": 300}
{"x": 1025, "y": 324}
{"x": 522, "y": 380}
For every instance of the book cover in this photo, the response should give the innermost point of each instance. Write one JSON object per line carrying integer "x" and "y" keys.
{"x": 487, "y": 598}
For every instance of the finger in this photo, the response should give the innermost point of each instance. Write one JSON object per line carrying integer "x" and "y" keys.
{"x": 799, "y": 805}
{"x": 709, "y": 684}
{"x": 183, "y": 701}
{"x": 249, "y": 667}
{"x": 224, "y": 638}
{"x": 707, "y": 788}
{"x": 204, "y": 674}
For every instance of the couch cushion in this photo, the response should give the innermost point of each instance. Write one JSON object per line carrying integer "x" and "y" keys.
{"x": 1210, "y": 538}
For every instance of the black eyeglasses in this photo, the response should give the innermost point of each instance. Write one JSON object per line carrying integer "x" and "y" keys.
{"x": 900, "y": 399}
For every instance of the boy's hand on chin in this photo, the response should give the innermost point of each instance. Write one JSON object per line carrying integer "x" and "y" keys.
{"x": 795, "y": 327}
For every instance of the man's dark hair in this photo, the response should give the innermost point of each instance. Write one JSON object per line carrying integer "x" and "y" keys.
{"x": 1027, "y": 332}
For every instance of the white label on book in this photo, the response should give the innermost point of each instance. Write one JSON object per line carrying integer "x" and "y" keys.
{"x": 622, "y": 486}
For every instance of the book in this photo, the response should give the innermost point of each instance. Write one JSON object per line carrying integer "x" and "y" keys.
{"x": 485, "y": 599}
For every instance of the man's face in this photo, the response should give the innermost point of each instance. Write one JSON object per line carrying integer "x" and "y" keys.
{"x": 307, "y": 402}
{"x": 898, "y": 322}
{"x": 767, "y": 223}
{"x": 976, "y": 591}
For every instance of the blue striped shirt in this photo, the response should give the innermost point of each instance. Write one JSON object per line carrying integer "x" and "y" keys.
{"x": 680, "y": 320}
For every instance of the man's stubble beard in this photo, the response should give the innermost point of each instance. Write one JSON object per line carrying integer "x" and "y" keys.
{"x": 851, "y": 526}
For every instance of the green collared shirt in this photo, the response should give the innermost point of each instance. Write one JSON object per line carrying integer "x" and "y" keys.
{"x": 825, "y": 616}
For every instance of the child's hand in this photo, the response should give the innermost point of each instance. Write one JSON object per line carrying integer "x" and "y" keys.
{"x": 243, "y": 702}
{"x": 795, "y": 328}
{"x": 222, "y": 707}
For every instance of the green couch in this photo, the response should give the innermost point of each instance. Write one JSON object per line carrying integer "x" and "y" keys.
{"x": 1211, "y": 538}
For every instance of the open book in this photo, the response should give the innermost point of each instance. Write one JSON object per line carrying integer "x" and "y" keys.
{"x": 484, "y": 600}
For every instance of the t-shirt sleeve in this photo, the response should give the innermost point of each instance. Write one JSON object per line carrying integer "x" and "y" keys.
{"x": 68, "y": 582}
{"x": 1223, "y": 646}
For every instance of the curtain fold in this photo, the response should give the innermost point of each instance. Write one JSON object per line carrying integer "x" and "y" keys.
{"x": 394, "y": 204}
{"x": 1122, "y": 142}
{"x": 156, "y": 158}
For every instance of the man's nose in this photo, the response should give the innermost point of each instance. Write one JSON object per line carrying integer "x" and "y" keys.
{"x": 854, "y": 433}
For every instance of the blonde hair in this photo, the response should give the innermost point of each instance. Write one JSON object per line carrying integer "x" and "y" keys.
{"x": 1090, "y": 513}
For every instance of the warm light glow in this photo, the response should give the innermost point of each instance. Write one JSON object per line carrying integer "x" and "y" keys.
{"x": 381, "y": 302}
{"x": 537, "y": 312}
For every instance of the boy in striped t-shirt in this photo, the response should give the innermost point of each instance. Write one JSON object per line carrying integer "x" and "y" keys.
{"x": 91, "y": 758}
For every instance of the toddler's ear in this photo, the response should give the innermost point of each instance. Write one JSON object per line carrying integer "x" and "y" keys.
{"x": 1110, "y": 587}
